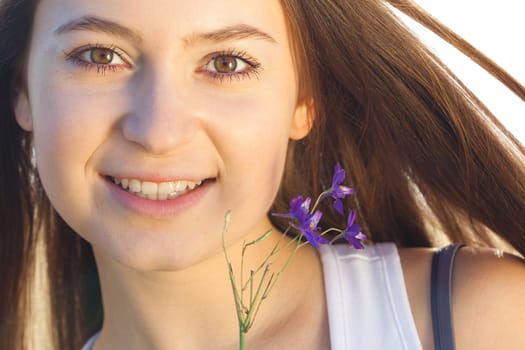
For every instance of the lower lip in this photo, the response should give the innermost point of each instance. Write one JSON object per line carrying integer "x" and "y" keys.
{"x": 158, "y": 208}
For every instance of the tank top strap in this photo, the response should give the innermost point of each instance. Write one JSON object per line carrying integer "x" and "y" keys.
{"x": 366, "y": 297}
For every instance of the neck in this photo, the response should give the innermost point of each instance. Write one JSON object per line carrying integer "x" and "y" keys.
{"x": 194, "y": 307}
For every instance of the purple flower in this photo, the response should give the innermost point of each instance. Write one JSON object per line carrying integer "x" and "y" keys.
{"x": 306, "y": 223}
{"x": 352, "y": 232}
{"x": 338, "y": 191}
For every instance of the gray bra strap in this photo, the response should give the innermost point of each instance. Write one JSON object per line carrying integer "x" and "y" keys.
{"x": 440, "y": 294}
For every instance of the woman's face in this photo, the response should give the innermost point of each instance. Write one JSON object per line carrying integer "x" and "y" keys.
{"x": 159, "y": 97}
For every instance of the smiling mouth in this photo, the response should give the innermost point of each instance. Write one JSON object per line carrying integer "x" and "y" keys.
{"x": 157, "y": 190}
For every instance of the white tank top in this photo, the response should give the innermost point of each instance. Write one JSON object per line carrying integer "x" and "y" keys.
{"x": 366, "y": 297}
{"x": 367, "y": 301}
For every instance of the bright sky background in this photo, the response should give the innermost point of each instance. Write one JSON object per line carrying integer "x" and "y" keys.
{"x": 497, "y": 29}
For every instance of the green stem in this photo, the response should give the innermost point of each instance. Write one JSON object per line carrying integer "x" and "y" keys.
{"x": 330, "y": 230}
{"x": 321, "y": 196}
{"x": 241, "y": 340}
{"x": 276, "y": 249}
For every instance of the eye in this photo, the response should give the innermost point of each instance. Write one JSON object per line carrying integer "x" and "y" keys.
{"x": 231, "y": 64}
{"x": 226, "y": 64}
{"x": 100, "y": 57}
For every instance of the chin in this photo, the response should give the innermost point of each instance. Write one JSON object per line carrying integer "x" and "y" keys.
{"x": 157, "y": 255}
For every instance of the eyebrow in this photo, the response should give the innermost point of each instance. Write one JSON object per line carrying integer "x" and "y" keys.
{"x": 97, "y": 24}
{"x": 233, "y": 32}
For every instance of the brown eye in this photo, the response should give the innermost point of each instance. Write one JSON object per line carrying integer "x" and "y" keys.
{"x": 236, "y": 65}
{"x": 225, "y": 64}
{"x": 101, "y": 56}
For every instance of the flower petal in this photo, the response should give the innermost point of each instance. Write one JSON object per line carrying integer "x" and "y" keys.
{"x": 299, "y": 208}
{"x": 338, "y": 206}
{"x": 351, "y": 218}
{"x": 296, "y": 203}
{"x": 339, "y": 175}
{"x": 314, "y": 219}
{"x": 343, "y": 191}
{"x": 314, "y": 239}
{"x": 354, "y": 236}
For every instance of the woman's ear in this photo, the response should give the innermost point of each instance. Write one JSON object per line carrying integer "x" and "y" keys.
{"x": 22, "y": 110}
{"x": 302, "y": 121}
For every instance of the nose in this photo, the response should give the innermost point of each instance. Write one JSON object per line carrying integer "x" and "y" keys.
{"x": 160, "y": 120}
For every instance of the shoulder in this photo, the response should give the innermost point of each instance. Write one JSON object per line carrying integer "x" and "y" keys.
{"x": 488, "y": 300}
{"x": 488, "y": 297}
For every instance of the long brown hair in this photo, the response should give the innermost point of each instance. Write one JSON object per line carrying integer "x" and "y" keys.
{"x": 29, "y": 221}
{"x": 419, "y": 147}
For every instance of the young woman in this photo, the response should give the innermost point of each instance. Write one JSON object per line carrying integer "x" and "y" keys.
{"x": 128, "y": 129}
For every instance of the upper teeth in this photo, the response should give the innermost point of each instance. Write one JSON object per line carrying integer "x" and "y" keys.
{"x": 156, "y": 190}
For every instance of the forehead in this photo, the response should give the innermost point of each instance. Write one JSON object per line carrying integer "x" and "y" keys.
{"x": 157, "y": 18}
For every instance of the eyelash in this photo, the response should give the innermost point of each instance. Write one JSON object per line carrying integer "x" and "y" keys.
{"x": 253, "y": 67}
{"x": 75, "y": 57}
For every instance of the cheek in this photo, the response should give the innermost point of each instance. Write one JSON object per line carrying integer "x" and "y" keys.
{"x": 251, "y": 128}
{"x": 261, "y": 118}
{"x": 251, "y": 136}
{"x": 71, "y": 119}
{"x": 60, "y": 120}
{"x": 68, "y": 128}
